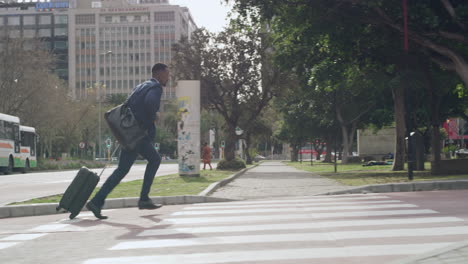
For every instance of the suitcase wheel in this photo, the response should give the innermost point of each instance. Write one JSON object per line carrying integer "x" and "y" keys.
{"x": 73, "y": 216}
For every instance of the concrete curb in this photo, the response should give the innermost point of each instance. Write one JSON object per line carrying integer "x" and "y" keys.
{"x": 434, "y": 253}
{"x": 214, "y": 186}
{"x": 406, "y": 187}
{"x": 50, "y": 208}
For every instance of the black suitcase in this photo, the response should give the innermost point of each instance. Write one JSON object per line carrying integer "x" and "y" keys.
{"x": 79, "y": 191}
{"x": 81, "y": 188}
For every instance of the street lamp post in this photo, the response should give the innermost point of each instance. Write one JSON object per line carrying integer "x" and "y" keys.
{"x": 99, "y": 101}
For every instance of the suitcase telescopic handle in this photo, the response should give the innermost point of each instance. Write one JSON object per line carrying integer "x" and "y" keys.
{"x": 110, "y": 160}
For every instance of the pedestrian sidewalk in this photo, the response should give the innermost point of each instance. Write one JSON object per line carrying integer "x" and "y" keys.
{"x": 275, "y": 179}
{"x": 455, "y": 254}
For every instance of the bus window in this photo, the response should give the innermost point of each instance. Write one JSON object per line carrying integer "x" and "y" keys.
{"x": 2, "y": 129}
{"x": 16, "y": 137}
{"x": 28, "y": 139}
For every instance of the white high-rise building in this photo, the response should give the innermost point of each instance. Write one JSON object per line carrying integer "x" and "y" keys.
{"x": 111, "y": 44}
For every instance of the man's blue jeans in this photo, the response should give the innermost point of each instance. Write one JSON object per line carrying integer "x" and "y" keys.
{"x": 126, "y": 161}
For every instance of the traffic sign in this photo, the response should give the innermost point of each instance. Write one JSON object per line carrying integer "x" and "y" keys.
{"x": 82, "y": 145}
{"x": 108, "y": 143}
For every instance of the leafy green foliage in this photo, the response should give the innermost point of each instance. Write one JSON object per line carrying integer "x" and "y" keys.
{"x": 235, "y": 164}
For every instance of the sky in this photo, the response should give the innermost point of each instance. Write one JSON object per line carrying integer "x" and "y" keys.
{"x": 210, "y": 14}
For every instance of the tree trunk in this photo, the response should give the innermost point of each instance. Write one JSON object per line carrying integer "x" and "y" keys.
{"x": 230, "y": 150}
{"x": 247, "y": 147}
{"x": 436, "y": 148}
{"x": 294, "y": 153}
{"x": 434, "y": 106}
{"x": 329, "y": 141}
{"x": 420, "y": 150}
{"x": 344, "y": 133}
{"x": 400, "y": 146}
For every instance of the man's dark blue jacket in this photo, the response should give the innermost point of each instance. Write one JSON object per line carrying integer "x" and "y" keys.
{"x": 144, "y": 102}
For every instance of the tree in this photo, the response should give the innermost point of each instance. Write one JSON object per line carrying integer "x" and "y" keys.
{"x": 24, "y": 74}
{"x": 371, "y": 31}
{"x": 234, "y": 81}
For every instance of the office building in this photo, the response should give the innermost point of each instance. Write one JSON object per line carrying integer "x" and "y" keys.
{"x": 110, "y": 45}
{"x": 18, "y": 19}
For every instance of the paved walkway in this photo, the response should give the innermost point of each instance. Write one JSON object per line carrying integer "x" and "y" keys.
{"x": 456, "y": 254}
{"x": 275, "y": 179}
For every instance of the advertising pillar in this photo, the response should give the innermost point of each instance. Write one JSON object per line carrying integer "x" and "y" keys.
{"x": 188, "y": 127}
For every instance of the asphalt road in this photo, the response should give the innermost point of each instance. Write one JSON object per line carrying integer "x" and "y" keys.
{"x": 351, "y": 229}
{"x": 20, "y": 187}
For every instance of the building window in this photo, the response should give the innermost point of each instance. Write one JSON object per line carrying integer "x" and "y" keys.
{"x": 85, "y": 19}
{"x": 29, "y": 33}
{"x": 14, "y": 21}
{"x": 123, "y": 19}
{"x": 47, "y": 45}
{"x": 45, "y": 32}
{"x": 29, "y": 20}
{"x": 61, "y": 44}
{"x": 61, "y": 31}
{"x": 45, "y": 20}
{"x": 164, "y": 16}
{"x": 137, "y": 18}
{"x": 61, "y": 20}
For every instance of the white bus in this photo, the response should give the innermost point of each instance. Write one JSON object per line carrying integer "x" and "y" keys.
{"x": 28, "y": 148}
{"x": 17, "y": 147}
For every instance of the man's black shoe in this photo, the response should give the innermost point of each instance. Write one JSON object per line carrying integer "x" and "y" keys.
{"x": 148, "y": 205}
{"x": 96, "y": 211}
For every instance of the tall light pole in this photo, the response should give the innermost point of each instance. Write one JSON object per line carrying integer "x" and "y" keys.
{"x": 409, "y": 134}
{"x": 99, "y": 101}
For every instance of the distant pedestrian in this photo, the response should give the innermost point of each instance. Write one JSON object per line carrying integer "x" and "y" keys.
{"x": 144, "y": 102}
{"x": 206, "y": 156}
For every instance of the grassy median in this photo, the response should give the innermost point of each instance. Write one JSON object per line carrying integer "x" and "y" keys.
{"x": 357, "y": 175}
{"x": 162, "y": 186}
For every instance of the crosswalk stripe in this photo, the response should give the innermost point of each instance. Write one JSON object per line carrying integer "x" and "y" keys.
{"x": 292, "y": 237}
{"x": 298, "y": 226}
{"x": 277, "y": 254}
{"x": 308, "y": 215}
{"x": 229, "y": 206}
{"x": 296, "y": 209}
{"x": 4, "y": 245}
{"x": 22, "y": 237}
{"x": 310, "y": 199}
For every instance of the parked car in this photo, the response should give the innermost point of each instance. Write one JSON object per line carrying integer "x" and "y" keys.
{"x": 462, "y": 153}
{"x": 258, "y": 158}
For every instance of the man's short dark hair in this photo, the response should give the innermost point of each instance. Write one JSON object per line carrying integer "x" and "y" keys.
{"x": 158, "y": 67}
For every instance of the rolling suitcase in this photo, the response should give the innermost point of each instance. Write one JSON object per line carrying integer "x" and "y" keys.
{"x": 79, "y": 191}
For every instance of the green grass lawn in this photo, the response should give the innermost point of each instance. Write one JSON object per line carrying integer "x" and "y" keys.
{"x": 162, "y": 186}
{"x": 357, "y": 175}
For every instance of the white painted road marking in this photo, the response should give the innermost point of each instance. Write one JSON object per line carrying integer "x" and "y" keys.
{"x": 298, "y": 226}
{"x": 292, "y": 208}
{"x": 22, "y": 237}
{"x": 293, "y": 237}
{"x": 277, "y": 254}
{"x": 290, "y": 216}
{"x": 4, "y": 245}
{"x": 228, "y": 206}
{"x": 311, "y": 199}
